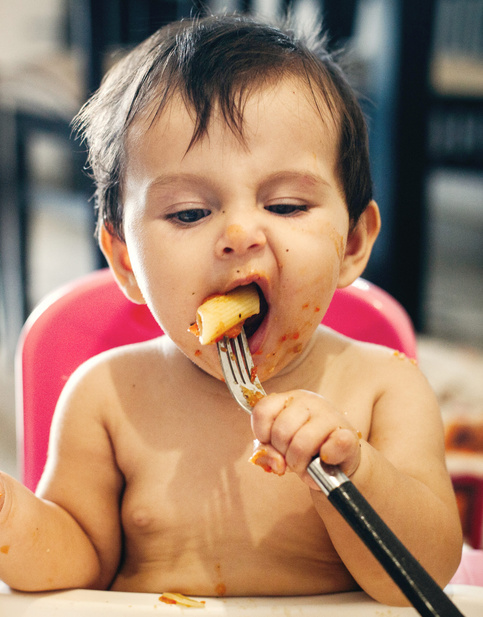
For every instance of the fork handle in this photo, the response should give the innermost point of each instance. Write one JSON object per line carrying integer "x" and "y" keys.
{"x": 418, "y": 586}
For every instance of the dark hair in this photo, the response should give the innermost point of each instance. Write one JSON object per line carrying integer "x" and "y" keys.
{"x": 211, "y": 61}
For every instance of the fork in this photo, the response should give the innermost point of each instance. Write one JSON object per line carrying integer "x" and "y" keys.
{"x": 413, "y": 580}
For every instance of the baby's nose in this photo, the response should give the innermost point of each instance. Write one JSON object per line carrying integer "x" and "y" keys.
{"x": 240, "y": 239}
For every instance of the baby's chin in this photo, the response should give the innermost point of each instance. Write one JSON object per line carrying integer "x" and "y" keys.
{"x": 283, "y": 358}
{"x": 269, "y": 459}
{"x": 207, "y": 359}
{"x": 274, "y": 359}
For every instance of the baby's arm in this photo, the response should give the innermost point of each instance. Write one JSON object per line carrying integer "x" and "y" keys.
{"x": 42, "y": 546}
{"x": 399, "y": 467}
{"x": 69, "y": 534}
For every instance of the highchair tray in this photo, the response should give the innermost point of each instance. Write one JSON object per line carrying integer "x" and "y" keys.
{"x": 82, "y": 602}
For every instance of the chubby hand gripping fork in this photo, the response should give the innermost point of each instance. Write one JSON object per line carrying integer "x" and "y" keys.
{"x": 417, "y": 585}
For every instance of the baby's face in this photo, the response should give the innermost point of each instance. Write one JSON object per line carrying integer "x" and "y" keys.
{"x": 226, "y": 213}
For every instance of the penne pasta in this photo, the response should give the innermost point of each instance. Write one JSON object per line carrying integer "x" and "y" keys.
{"x": 181, "y": 600}
{"x": 224, "y": 315}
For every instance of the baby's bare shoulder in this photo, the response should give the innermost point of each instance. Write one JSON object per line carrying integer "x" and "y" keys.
{"x": 97, "y": 382}
{"x": 387, "y": 365}
{"x": 372, "y": 368}
{"x": 386, "y": 394}
{"x": 348, "y": 351}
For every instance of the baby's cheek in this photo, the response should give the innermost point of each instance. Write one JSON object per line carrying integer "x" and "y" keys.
{"x": 269, "y": 459}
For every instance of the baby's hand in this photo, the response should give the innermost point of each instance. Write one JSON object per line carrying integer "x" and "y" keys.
{"x": 300, "y": 425}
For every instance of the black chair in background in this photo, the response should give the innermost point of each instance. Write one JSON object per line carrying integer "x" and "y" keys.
{"x": 433, "y": 120}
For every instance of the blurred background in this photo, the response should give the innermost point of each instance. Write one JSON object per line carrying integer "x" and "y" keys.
{"x": 418, "y": 65}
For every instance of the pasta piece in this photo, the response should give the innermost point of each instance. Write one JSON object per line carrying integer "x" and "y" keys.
{"x": 224, "y": 315}
{"x": 181, "y": 600}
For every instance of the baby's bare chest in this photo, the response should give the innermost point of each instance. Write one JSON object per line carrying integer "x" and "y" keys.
{"x": 189, "y": 469}
{"x": 186, "y": 465}
{"x": 194, "y": 503}
{"x": 223, "y": 525}
{"x": 206, "y": 490}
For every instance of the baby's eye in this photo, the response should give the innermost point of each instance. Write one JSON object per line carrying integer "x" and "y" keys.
{"x": 189, "y": 216}
{"x": 286, "y": 209}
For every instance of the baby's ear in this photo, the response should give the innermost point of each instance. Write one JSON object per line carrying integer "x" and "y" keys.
{"x": 116, "y": 253}
{"x": 359, "y": 245}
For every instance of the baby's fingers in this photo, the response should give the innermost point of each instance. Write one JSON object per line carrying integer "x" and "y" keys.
{"x": 265, "y": 413}
{"x": 342, "y": 448}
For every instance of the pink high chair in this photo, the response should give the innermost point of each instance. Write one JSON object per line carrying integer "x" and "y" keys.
{"x": 91, "y": 315}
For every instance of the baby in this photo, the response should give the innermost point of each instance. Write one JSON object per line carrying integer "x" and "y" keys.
{"x": 228, "y": 152}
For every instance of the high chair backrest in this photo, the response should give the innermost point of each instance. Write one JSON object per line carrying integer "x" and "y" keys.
{"x": 92, "y": 315}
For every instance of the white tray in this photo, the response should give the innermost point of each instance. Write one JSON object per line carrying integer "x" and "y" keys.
{"x": 85, "y": 603}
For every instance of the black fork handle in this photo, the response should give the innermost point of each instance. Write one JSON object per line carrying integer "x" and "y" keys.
{"x": 418, "y": 586}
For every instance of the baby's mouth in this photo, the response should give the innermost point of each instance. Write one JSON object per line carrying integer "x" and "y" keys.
{"x": 252, "y": 324}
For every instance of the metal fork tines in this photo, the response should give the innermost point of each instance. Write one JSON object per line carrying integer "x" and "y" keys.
{"x": 239, "y": 371}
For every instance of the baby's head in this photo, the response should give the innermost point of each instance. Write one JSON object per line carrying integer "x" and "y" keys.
{"x": 215, "y": 63}
{"x": 226, "y": 153}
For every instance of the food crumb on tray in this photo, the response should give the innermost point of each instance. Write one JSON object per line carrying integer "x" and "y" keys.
{"x": 181, "y": 600}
